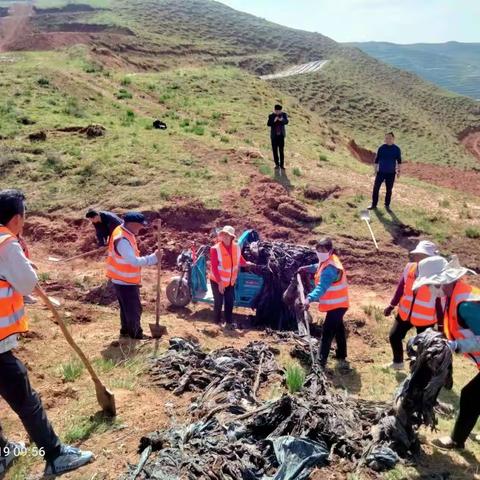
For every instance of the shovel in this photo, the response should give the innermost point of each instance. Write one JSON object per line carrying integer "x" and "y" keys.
{"x": 156, "y": 329}
{"x": 86, "y": 254}
{"x": 364, "y": 215}
{"x": 105, "y": 398}
{"x": 307, "y": 325}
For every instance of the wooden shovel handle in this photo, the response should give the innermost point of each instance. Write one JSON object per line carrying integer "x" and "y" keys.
{"x": 81, "y": 255}
{"x": 66, "y": 333}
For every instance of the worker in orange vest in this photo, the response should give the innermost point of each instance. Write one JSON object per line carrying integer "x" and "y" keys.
{"x": 226, "y": 259}
{"x": 331, "y": 293}
{"x": 124, "y": 269}
{"x": 462, "y": 329}
{"x": 27, "y": 299}
{"x": 18, "y": 278}
{"x": 420, "y": 309}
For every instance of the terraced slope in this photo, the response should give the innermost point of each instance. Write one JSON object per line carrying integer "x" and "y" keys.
{"x": 454, "y": 66}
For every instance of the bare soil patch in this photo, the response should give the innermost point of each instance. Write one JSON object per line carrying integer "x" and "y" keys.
{"x": 442, "y": 176}
{"x": 471, "y": 139}
{"x": 15, "y": 25}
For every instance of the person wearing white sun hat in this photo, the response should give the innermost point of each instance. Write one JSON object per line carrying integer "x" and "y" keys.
{"x": 462, "y": 329}
{"x": 415, "y": 309}
{"x": 225, "y": 261}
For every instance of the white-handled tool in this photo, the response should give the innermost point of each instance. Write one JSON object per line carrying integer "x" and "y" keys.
{"x": 365, "y": 215}
{"x": 305, "y": 315}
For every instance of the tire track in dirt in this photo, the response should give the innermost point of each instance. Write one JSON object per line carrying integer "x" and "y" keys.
{"x": 16, "y": 25}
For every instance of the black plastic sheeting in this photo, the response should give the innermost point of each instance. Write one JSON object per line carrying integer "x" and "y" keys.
{"x": 414, "y": 403}
{"x": 278, "y": 263}
{"x": 232, "y": 435}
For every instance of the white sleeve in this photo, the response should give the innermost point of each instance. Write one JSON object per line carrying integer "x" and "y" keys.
{"x": 17, "y": 269}
{"x": 126, "y": 251}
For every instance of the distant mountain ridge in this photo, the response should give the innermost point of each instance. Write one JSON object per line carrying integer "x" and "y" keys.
{"x": 454, "y": 66}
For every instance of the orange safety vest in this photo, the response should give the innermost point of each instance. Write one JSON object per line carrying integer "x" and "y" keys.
{"x": 417, "y": 307}
{"x": 12, "y": 310}
{"x": 453, "y": 330}
{"x": 337, "y": 294}
{"x": 228, "y": 266}
{"x": 117, "y": 267}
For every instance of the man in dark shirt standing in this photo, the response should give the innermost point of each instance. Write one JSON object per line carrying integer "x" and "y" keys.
{"x": 387, "y": 166}
{"x": 277, "y": 121}
{"x": 105, "y": 223}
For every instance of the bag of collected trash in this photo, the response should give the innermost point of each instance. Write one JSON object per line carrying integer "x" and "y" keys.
{"x": 297, "y": 457}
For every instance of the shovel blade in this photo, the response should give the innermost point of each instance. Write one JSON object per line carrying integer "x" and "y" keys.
{"x": 106, "y": 400}
{"x": 55, "y": 301}
{"x": 157, "y": 331}
{"x": 365, "y": 215}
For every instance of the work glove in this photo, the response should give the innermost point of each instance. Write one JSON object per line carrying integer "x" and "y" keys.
{"x": 388, "y": 311}
{"x": 306, "y": 305}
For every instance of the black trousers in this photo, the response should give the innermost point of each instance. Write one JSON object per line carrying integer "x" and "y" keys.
{"x": 333, "y": 327}
{"x": 228, "y": 298}
{"x": 16, "y": 390}
{"x": 130, "y": 310}
{"x": 278, "y": 146}
{"x": 469, "y": 411}
{"x": 398, "y": 332}
{"x": 389, "y": 179}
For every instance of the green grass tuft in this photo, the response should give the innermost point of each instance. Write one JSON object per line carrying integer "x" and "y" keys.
{"x": 83, "y": 427}
{"x": 294, "y": 378}
{"x": 72, "y": 370}
{"x": 472, "y": 232}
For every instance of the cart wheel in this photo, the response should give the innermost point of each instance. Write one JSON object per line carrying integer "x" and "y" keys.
{"x": 178, "y": 293}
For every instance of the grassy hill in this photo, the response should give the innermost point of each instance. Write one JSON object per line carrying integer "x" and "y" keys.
{"x": 195, "y": 65}
{"x": 357, "y": 95}
{"x": 454, "y": 66}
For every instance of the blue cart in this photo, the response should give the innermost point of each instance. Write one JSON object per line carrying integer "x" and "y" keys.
{"x": 192, "y": 284}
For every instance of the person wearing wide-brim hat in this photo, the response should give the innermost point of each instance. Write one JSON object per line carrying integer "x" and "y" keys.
{"x": 462, "y": 328}
{"x": 225, "y": 261}
{"x": 418, "y": 309}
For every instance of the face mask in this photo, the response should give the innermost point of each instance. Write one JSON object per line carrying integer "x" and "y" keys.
{"x": 322, "y": 256}
{"x": 436, "y": 291}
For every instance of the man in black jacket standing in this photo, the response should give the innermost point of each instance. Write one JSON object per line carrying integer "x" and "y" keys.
{"x": 387, "y": 167}
{"x": 277, "y": 121}
{"x": 105, "y": 223}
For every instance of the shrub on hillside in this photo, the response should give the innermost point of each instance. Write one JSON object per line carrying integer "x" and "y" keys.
{"x": 472, "y": 232}
{"x": 123, "y": 94}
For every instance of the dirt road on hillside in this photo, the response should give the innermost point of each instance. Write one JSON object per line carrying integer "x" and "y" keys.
{"x": 15, "y": 25}
{"x": 297, "y": 70}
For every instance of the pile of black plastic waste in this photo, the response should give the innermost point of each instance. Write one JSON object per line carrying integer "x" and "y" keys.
{"x": 415, "y": 402}
{"x": 227, "y": 378}
{"x": 233, "y": 435}
{"x": 278, "y": 264}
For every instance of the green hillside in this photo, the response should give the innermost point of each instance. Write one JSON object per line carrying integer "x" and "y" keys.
{"x": 194, "y": 64}
{"x": 454, "y": 66}
{"x": 358, "y": 95}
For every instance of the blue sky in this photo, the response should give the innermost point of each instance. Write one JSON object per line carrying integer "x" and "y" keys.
{"x": 399, "y": 21}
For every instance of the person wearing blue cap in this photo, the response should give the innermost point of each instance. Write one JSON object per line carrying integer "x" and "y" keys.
{"x": 124, "y": 266}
